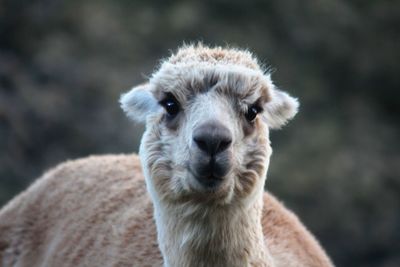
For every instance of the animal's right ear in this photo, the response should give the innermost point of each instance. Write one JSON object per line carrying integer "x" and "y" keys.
{"x": 139, "y": 102}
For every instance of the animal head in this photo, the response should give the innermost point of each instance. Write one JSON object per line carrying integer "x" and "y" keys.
{"x": 208, "y": 112}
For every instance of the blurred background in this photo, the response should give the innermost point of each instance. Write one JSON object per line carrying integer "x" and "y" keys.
{"x": 63, "y": 65}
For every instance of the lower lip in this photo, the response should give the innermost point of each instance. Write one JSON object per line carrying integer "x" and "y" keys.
{"x": 210, "y": 182}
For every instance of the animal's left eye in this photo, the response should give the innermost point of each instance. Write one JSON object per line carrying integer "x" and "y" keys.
{"x": 252, "y": 112}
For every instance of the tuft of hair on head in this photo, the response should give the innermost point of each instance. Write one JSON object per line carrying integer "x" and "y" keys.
{"x": 227, "y": 55}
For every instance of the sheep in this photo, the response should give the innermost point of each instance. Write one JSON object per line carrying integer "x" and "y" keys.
{"x": 194, "y": 197}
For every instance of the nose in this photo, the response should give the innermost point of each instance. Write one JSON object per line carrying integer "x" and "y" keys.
{"x": 212, "y": 138}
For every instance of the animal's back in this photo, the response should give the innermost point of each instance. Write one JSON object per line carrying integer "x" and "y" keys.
{"x": 88, "y": 212}
{"x": 96, "y": 212}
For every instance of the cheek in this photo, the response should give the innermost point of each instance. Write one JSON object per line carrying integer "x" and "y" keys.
{"x": 176, "y": 147}
{"x": 249, "y": 140}
{"x": 249, "y": 128}
{"x": 165, "y": 158}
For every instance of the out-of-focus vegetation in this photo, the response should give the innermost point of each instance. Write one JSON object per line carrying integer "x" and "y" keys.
{"x": 63, "y": 65}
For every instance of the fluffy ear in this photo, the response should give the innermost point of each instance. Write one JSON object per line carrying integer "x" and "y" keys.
{"x": 139, "y": 102}
{"x": 280, "y": 109}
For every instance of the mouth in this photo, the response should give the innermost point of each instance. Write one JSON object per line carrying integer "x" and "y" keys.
{"x": 209, "y": 182}
{"x": 209, "y": 173}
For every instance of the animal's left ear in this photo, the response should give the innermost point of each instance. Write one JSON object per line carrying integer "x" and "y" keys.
{"x": 139, "y": 102}
{"x": 280, "y": 109}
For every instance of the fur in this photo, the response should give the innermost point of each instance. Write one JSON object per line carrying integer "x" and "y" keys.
{"x": 97, "y": 212}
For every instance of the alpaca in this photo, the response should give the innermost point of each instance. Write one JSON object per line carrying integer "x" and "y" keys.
{"x": 195, "y": 197}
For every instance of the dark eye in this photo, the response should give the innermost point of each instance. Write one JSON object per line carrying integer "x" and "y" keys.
{"x": 171, "y": 105}
{"x": 252, "y": 113}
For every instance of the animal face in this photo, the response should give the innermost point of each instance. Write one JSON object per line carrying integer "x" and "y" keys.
{"x": 207, "y": 128}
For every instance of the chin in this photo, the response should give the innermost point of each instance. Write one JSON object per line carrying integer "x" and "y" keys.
{"x": 211, "y": 191}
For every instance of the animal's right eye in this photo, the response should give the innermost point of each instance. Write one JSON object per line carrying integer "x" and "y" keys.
{"x": 171, "y": 105}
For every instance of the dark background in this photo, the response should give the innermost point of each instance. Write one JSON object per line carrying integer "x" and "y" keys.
{"x": 63, "y": 65}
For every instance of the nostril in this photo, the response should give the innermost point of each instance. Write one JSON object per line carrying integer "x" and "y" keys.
{"x": 224, "y": 144}
{"x": 202, "y": 144}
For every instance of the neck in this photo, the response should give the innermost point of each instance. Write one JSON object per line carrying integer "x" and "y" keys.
{"x": 198, "y": 234}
